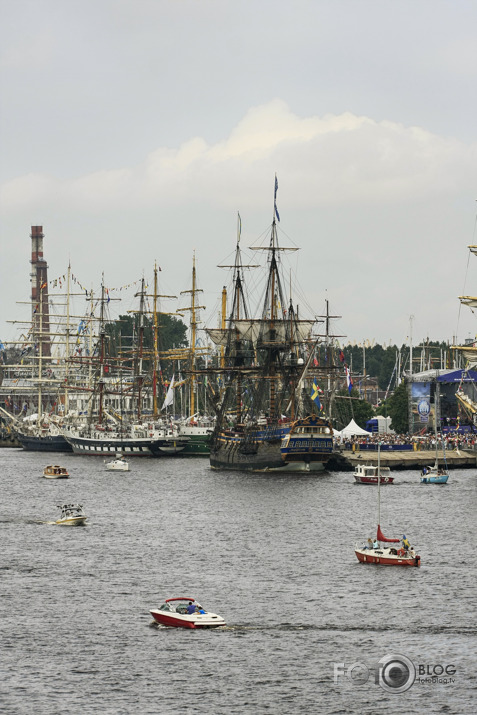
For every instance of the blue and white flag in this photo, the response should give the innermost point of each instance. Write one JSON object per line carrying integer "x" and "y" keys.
{"x": 349, "y": 381}
{"x": 275, "y": 199}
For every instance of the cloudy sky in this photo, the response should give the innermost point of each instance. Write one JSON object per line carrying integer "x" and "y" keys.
{"x": 135, "y": 130}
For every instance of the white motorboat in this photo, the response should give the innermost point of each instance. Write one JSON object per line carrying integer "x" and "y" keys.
{"x": 368, "y": 474}
{"x": 54, "y": 471}
{"x": 71, "y": 515}
{"x": 184, "y": 612}
{"x": 120, "y": 464}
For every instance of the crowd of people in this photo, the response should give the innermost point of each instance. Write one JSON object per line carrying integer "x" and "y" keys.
{"x": 452, "y": 441}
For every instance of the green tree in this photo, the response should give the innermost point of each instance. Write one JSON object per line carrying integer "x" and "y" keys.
{"x": 123, "y": 336}
{"x": 359, "y": 410}
{"x": 398, "y": 409}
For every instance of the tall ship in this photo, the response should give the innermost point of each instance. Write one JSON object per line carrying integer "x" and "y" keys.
{"x": 107, "y": 431}
{"x": 38, "y": 382}
{"x": 267, "y": 419}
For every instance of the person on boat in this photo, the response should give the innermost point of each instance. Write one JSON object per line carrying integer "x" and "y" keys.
{"x": 405, "y": 543}
{"x": 370, "y": 544}
{"x": 375, "y": 544}
{"x": 190, "y": 608}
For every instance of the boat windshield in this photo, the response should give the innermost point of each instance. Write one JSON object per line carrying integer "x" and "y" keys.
{"x": 180, "y": 606}
{"x": 71, "y": 510}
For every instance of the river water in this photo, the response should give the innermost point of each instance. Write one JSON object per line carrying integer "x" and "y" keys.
{"x": 272, "y": 554}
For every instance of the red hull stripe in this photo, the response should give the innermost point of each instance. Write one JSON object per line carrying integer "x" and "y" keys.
{"x": 170, "y": 621}
{"x": 385, "y": 561}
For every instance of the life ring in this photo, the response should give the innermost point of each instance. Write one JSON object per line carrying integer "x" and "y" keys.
{"x": 386, "y": 479}
{"x": 401, "y": 552}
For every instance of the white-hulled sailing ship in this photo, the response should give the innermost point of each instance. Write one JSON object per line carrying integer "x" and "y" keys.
{"x": 266, "y": 419}
{"x": 106, "y": 431}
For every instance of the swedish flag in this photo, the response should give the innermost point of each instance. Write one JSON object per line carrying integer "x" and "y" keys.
{"x": 315, "y": 395}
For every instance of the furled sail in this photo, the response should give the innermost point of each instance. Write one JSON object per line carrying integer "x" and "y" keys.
{"x": 469, "y": 353}
{"x": 278, "y": 331}
{"x": 219, "y": 336}
{"x": 468, "y": 300}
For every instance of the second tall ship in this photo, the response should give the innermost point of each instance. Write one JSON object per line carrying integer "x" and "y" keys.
{"x": 267, "y": 420}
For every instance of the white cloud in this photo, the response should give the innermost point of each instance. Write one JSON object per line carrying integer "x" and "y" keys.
{"x": 380, "y": 210}
{"x": 331, "y": 159}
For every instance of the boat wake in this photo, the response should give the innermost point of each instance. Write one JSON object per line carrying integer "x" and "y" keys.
{"x": 19, "y": 520}
{"x": 470, "y": 631}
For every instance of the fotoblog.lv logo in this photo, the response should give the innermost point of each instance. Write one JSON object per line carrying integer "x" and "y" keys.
{"x": 394, "y": 673}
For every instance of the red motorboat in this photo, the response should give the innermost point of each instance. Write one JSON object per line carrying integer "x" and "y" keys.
{"x": 367, "y": 474}
{"x": 185, "y": 612}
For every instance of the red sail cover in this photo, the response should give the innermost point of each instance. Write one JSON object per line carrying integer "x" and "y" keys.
{"x": 380, "y": 537}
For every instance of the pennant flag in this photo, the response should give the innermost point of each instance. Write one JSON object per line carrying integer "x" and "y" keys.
{"x": 275, "y": 199}
{"x": 170, "y": 395}
{"x": 349, "y": 381}
{"x": 341, "y": 355}
{"x": 315, "y": 396}
{"x": 315, "y": 362}
{"x": 239, "y": 227}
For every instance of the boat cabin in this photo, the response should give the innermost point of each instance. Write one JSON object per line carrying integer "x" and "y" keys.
{"x": 368, "y": 470}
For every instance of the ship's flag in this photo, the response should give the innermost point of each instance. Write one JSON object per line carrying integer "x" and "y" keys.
{"x": 349, "y": 381}
{"x": 315, "y": 362}
{"x": 342, "y": 357}
{"x": 170, "y": 395}
{"x": 275, "y": 199}
{"x": 315, "y": 390}
{"x": 239, "y": 227}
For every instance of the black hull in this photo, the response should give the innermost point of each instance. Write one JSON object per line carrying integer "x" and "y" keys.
{"x": 167, "y": 448}
{"x": 247, "y": 458}
{"x": 109, "y": 447}
{"x": 48, "y": 443}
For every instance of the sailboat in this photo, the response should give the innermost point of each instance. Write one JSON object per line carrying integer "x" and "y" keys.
{"x": 436, "y": 474}
{"x": 264, "y": 420}
{"x": 376, "y": 553}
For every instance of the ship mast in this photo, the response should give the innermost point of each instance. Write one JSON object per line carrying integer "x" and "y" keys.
{"x": 193, "y": 308}
{"x": 234, "y": 344}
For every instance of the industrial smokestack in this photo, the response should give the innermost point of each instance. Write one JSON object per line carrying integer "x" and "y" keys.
{"x": 39, "y": 293}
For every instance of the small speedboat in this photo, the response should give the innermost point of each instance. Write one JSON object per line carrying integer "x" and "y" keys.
{"x": 118, "y": 465}
{"x": 53, "y": 471}
{"x": 71, "y": 515}
{"x": 368, "y": 474}
{"x": 185, "y": 613}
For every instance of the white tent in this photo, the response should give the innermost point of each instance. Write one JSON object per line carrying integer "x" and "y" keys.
{"x": 353, "y": 429}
